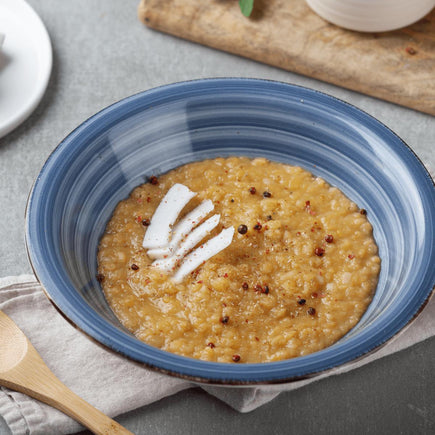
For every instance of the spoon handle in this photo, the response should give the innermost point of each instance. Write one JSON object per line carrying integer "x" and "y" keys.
{"x": 32, "y": 377}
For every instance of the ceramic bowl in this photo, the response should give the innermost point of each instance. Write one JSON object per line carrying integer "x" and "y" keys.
{"x": 150, "y": 133}
{"x": 372, "y": 15}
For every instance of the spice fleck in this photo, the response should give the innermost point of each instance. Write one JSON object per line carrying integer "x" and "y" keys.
{"x": 154, "y": 180}
{"x": 311, "y": 311}
{"x": 319, "y": 252}
{"x": 242, "y": 229}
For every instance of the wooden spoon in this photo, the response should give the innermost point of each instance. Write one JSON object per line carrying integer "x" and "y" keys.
{"x": 23, "y": 370}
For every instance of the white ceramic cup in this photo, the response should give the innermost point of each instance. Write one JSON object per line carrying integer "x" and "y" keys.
{"x": 372, "y": 15}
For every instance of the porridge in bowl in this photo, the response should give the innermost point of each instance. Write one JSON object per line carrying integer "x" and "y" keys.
{"x": 296, "y": 271}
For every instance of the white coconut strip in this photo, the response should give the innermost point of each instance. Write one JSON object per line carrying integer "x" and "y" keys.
{"x": 157, "y": 234}
{"x": 168, "y": 264}
{"x": 160, "y": 252}
{"x": 183, "y": 228}
{"x": 204, "y": 252}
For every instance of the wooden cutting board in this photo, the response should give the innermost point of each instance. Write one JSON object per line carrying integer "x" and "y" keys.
{"x": 396, "y": 66}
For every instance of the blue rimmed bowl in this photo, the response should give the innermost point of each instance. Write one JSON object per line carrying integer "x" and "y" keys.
{"x": 108, "y": 155}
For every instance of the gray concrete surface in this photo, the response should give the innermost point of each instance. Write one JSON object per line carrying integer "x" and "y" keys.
{"x": 102, "y": 54}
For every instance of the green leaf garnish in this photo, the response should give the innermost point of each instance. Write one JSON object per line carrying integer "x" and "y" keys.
{"x": 246, "y": 7}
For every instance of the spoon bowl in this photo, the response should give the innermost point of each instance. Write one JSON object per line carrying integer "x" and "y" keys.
{"x": 23, "y": 370}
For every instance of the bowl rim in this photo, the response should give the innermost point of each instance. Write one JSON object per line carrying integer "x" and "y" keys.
{"x": 223, "y": 377}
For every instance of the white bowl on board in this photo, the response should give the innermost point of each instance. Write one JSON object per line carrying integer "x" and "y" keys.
{"x": 372, "y": 15}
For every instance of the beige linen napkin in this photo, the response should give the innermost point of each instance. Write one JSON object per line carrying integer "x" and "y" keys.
{"x": 114, "y": 384}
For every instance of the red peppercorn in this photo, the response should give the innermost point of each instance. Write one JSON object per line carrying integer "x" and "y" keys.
{"x": 252, "y": 190}
{"x": 351, "y": 256}
{"x": 245, "y": 286}
{"x": 258, "y": 226}
{"x": 225, "y": 319}
{"x": 329, "y": 238}
{"x": 319, "y": 252}
{"x": 236, "y": 358}
{"x": 211, "y": 345}
{"x": 363, "y": 211}
{"x": 411, "y": 50}
{"x": 135, "y": 266}
{"x": 154, "y": 180}
{"x": 259, "y": 288}
{"x": 146, "y": 222}
{"x": 100, "y": 277}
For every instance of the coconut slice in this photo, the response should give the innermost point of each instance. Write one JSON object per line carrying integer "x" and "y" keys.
{"x": 182, "y": 229}
{"x": 157, "y": 234}
{"x": 204, "y": 252}
{"x": 168, "y": 264}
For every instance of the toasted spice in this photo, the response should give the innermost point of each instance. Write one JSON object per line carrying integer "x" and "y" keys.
{"x": 100, "y": 277}
{"x": 242, "y": 229}
{"x": 363, "y": 211}
{"x": 135, "y": 266}
{"x": 269, "y": 217}
{"x": 154, "y": 180}
{"x": 302, "y": 301}
{"x": 146, "y": 222}
{"x": 225, "y": 319}
{"x": 266, "y": 194}
{"x": 236, "y": 358}
{"x": 211, "y": 345}
{"x": 329, "y": 238}
{"x": 411, "y": 50}
{"x": 252, "y": 190}
{"x": 265, "y": 290}
{"x": 258, "y": 226}
{"x": 319, "y": 252}
{"x": 245, "y": 286}
{"x": 311, "y": 311}
{"x": 259, "y": 288}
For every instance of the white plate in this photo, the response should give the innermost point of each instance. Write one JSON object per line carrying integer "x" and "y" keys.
{"x": 25, "y": 63}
